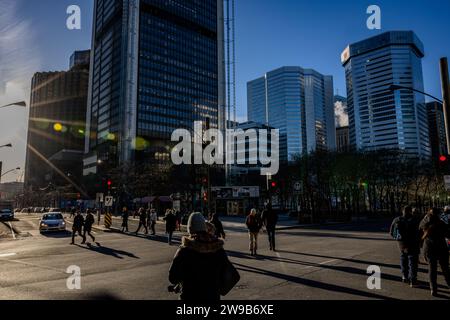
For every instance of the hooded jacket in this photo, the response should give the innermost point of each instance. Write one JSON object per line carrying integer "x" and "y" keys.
{"x": 198, "y": 266}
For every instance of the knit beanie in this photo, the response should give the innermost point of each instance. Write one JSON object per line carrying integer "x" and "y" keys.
{"x": 196, "y": 223}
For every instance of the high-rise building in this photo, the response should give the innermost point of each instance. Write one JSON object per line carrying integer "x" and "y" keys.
{"x": 157, "y": 66}
{"x": 378, "y": 117}
{"x": 436, "y": 124}
{"x": 342, "y": 139}
{"x": 298, "y": 102}
{"x": 80, "y": 58}
{"x": 56, "y": 123}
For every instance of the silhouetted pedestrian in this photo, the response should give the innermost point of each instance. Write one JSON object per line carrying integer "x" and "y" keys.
{"x": 77, "y": 227}
{"x": 88, "y": 222}
{"x": 171, "y": 224}
{"x": 405, "y": 230}
{"x": 152, "y": 218}
{"x": 435, "y": 247}
{"x": 125, "y": 216}
{"x": 142, "y": 221}
{"x": 254, "y": 225}
{"x": 270, "y": 220}
{"x": 218, "y": 226}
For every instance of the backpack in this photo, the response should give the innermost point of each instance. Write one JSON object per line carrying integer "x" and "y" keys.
{"x": 399, "y": 230}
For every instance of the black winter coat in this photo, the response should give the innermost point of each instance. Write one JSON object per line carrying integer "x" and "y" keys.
{"x": 198, "y": 266}
{"x": 435, "y": 231}
{"x": 270, "y": 218}
{"x": 410, "y": 233}
{"x": 78, "y": 222}
{"x": 171, "y": 222}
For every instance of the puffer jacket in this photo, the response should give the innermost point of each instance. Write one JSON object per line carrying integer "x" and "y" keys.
{"x": 198, "y": 266}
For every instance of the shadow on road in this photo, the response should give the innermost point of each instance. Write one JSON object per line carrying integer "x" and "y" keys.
{"x": 364, "y": 262}
{"x": 333, "y": 235}
{"x": 176, "y": 240}
{"x": 57, "y": 235}
{"x": 108, "y": 251}
{"x": 311, "y": 283}
{"x": 338, "y": 268}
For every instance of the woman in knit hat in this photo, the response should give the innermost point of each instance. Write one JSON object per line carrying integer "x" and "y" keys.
{"x": 198, "y": 267}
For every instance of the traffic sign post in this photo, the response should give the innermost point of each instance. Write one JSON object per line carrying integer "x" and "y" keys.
{"x": 109, "y": 201}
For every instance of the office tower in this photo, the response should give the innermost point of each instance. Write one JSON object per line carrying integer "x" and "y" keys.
{"x": 80, "y": 58}
{"x": 56, "y": 127}
{"x": 378, "y": 117}
{"x": 157, "y": 66}
{"x": 436, "y": 124}
{"x": 342, "y": 139}
{"x": 298, "y": 102}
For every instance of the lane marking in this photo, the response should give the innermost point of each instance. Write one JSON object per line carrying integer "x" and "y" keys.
{"x": 321, "y": 264}
{"x": 5, "y": 255}
{"x": 12, "y": 230}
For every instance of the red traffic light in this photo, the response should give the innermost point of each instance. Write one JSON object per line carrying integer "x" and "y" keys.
{"x": 443, "y": 158}
{"x": 274, "y": 184}
{"x": 109, "y": 183}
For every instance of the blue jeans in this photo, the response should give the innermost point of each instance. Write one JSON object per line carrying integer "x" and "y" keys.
{"x": 409, "y": 264}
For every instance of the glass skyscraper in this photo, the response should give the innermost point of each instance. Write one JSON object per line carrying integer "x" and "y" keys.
{"x": 298, "y": 102}
{"x": 157, "y": 66}
{"x": 378, "y": 117}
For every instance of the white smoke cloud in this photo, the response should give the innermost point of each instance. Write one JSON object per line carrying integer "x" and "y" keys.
{"x": 340, "y": 113}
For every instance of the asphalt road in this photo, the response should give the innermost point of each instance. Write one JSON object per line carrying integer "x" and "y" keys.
{"x": 312, "y": 263}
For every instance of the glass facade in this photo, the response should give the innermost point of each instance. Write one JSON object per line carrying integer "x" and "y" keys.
{"x": 155, "y": 70}
{"x": 378, "y": 117}
{"x": 57, "y": 121}
{"x": 298, "y": 102}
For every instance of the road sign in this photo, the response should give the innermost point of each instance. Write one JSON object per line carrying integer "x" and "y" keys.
{"x": 99, "y": 198}
{"x": 447, "y": 182}
{"x": 109, "y": 201}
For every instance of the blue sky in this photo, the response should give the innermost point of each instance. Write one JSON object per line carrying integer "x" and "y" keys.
{"x": 269, "y": 34}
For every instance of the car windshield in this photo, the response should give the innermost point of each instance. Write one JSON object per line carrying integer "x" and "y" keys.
{"x": 5, "y": 210}
{"x": 52, "y": 217}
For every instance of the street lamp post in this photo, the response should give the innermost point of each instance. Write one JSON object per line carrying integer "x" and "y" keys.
{"x": 395, "y": 87}
{"x": 4, "y": 174}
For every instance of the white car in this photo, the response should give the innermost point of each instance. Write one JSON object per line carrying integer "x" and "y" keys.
{"x": 6, "y": 214}
{"x": 53, "y": 221}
